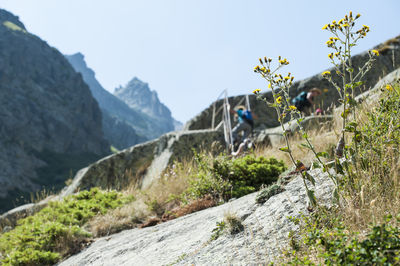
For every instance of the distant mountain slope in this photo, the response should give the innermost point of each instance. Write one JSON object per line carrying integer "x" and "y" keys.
{"x": 122, "y": 126}
{"x": 49, "y": 122}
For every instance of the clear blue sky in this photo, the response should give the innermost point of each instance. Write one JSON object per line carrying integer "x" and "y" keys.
{"x": 190, "y": 50}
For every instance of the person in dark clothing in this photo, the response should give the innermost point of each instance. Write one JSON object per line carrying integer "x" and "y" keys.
{"x": 305, "y": 100}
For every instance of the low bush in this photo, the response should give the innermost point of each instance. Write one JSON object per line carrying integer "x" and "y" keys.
{"x": 56, "y": 231}
{"x": 268, "y": 192}
{"x": 225, "y": 178}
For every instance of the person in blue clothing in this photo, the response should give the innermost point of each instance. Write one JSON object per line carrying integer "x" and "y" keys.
{"x": 305, "y": 100}
{"x": 245, "y": 123}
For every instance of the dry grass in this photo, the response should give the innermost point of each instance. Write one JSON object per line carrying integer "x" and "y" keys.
{"x": 149, "y": 204}
{"x": 321, "y": 139}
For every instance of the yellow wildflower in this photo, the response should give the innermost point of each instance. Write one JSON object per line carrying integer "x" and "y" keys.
{"x": 330, "y": 56}
{"x": 279, "y": 99}
{"x": 256, "y": 68}
{"x": 334, "y": 22}
{"x": 269, "y": 85}
{"x": 389, "y": 87}
{"x": 292, "y": 107}
{"x": 287, "y": 78}
{"x": 325, "y": 27}
{"x": 329, "y": 43}
{"x": 375, "y": 52}
{"x": 263, "y": 69}
{"x": 358, "y": 15}
{"x": 345, "y": 25}
{"x": 337, "y": 54}
{"x": 256, "y": 91}
{"x": 326, "y": 73}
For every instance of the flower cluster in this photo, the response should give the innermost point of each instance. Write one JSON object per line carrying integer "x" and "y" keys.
{"x": 274, "y": 80}
{"x": 343, "y": 24}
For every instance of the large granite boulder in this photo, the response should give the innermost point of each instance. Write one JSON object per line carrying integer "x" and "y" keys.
{"x": 187, "y": 240}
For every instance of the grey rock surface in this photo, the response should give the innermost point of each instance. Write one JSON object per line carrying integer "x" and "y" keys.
{"x": 186, "y": 240}
{"x": 49, "y": 121}
{"x": 142, "y": 163}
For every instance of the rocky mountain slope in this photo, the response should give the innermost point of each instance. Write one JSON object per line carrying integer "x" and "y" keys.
{"x": 138, "y": 96}
{"x": 49, "y": 122}
{"x": 119, "y": 121}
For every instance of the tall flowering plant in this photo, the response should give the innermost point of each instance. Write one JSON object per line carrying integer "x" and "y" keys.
{"x": 279, "y": 86}
{"x": 344, "y": 38}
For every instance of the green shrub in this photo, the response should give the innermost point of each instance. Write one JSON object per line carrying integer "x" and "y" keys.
{"x": 268, "y": 192}
{"x": 336, "y": 245}
{"x": 55, "y": 231}
{"x": 226, "y": 178}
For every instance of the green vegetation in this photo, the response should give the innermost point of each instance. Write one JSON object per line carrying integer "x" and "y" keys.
{"x": 361, "y": 230}
{"x": 231, "y": 224}
{"x": 268, "y": 192}
{"x": 335, "y": 244}
{"x": 225, "y": 178}
{"x": 56, "y": 231}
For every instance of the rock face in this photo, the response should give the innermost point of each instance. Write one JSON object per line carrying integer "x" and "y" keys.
{"x": 143, "y": 163}
{"x": 186, "y": 240}
{"x": 138, "y": 96}
{"x": 388, "y": 61}
{"x": 49, "y": 121}
{"x": 119, "y": 121}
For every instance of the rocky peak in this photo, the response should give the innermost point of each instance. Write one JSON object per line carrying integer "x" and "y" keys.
{"x": 138, "y": 96}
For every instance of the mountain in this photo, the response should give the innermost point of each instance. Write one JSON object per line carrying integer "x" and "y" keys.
{"x": 138, "y": 96}
{"x": 50, "y": 125}
{"x": 122, "y": 126}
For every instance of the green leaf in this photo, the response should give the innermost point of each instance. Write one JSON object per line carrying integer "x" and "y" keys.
{"x": 306, "y": 145}
{"x": 285, "y": 149}
{"x": 309, "y": 177}
{"x": 316, "y": 165}
{"x": 335, "y": 195}
{"x": 322, "y": 154}
{"x": 305, "y": 135}
{"x": 311, "y": 197}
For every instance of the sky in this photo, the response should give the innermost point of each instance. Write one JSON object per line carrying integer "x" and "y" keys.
{"x": 189, "y": 51}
